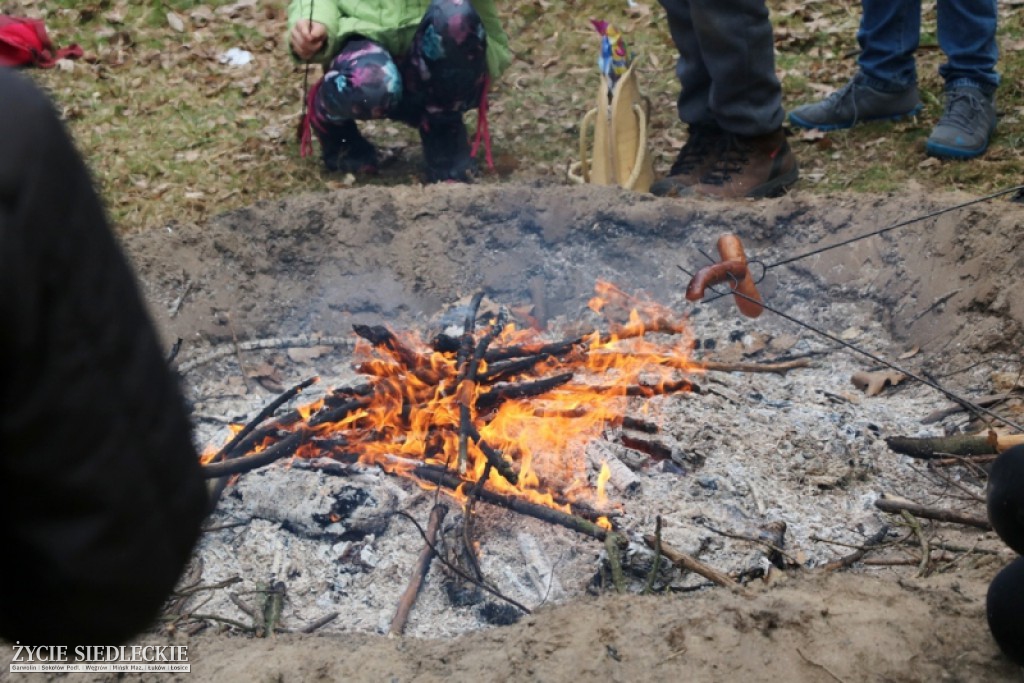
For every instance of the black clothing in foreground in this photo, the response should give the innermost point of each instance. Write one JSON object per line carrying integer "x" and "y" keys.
{"x": 100, "y": 490}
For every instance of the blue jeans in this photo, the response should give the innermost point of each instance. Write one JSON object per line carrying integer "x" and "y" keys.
{"x": 890, "y": 31}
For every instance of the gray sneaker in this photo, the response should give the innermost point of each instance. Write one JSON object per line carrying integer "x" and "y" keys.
{"x": 966, "y": 125}
{"x": 856, "y": 102}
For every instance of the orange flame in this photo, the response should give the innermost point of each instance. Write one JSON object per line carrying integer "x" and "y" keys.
{"x": 412, "y": 417}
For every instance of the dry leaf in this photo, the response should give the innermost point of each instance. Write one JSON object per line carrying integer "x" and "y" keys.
{"x": 307, "y": 355}
{"x": 783, "y": 343}
{"x": 755, "y": 342}
{"x": 176, "y": 22}
{"x": 812, "y": 134}
{"x": 637, "y": 9}
{"x": 268, "y": 376}
{"x": 872, "y": 383}
{"x": 1006, "y": 381}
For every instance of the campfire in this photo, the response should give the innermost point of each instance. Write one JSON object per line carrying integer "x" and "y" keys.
{"x": 489, "y": 409}
{"x": 493, "y": 410}
{"x": 497, "y": 453}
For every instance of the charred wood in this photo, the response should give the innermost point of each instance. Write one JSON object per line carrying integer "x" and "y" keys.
{"x": 452, "y": 481}
{"x": 522, "y": 390}
{"x": 281, "y": 449}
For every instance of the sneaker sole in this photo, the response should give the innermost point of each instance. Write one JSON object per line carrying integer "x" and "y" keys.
{"x": 941, "y": 151}
{"x": 804, "y": 123}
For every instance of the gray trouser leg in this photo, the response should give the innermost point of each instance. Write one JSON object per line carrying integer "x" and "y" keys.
{"x": 726, "y": 64}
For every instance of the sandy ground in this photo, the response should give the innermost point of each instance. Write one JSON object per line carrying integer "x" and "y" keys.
{"x": 315, "y": 264}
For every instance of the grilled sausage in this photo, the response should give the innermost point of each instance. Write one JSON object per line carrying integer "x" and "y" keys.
{"x": 731, "y": 249}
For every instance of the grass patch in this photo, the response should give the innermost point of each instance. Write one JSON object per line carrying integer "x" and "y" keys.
{"x": 171, "y": 134}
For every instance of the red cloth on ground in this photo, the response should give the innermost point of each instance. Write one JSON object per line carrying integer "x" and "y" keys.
{"x": 24, "y": 42}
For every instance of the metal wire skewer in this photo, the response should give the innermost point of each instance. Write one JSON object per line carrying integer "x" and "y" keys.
{"x": 969, "y": 405}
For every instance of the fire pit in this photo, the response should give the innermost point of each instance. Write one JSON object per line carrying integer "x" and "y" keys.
{"x": 685, "y": 433}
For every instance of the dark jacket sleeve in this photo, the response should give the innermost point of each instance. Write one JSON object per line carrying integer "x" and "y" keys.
{"x": 100, "y": 490}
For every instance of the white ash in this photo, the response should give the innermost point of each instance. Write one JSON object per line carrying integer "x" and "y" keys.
{"x": 804, "y": 448}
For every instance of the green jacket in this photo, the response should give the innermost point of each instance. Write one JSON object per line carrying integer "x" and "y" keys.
{"x": 392, "y": 23}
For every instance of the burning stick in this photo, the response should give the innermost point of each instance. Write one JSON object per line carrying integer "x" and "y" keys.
{"x": 451, "y": 481}
{"x": 619, "y": 475}
{"x": 232, "y": 448}
{"x": 269, "y": 410}
{"x": 467, "y": 387}
{"x": 408, "y": 599}
{"x": 281, "y": 449}
{"x": 513, "y": 391}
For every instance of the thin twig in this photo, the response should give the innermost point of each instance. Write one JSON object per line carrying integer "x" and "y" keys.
{"x": 858, "y": 554}
{"x": 656, "y": 565}
{"x": 753, "y": 539}
{"x": 689, "y": 563}
{"x": 820, "y": 666}
{"x": 459, "y": 572}
{"x": 322, "y": 621}
{"x": 925, "y": 547}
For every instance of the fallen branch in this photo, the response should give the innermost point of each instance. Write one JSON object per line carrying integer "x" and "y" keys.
{"x": 780, "y": 368}
{"x": 408, "y": 599}
{"x": 937, "y": 514}
{"x": 689, "y": 563}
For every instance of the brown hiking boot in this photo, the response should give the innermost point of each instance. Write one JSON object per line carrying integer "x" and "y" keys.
{"x": 695, "y": 159}
{"x": 760, "y": 166}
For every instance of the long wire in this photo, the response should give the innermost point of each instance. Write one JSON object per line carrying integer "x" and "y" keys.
{"x": 901, "y": 224}
{"x": 934, "y": 385}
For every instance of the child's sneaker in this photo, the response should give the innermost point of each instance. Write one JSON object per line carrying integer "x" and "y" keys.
{"x": 966, "y": 125}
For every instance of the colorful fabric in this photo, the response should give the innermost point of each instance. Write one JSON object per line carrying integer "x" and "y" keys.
{"x": 443, "y": 72}
{"x": 392, "y": 24}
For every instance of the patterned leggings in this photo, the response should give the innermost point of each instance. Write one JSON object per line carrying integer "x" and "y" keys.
{"x": 444, "y": 71}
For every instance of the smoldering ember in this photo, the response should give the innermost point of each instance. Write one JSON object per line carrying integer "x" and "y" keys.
{"x": 453, "y": 412}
